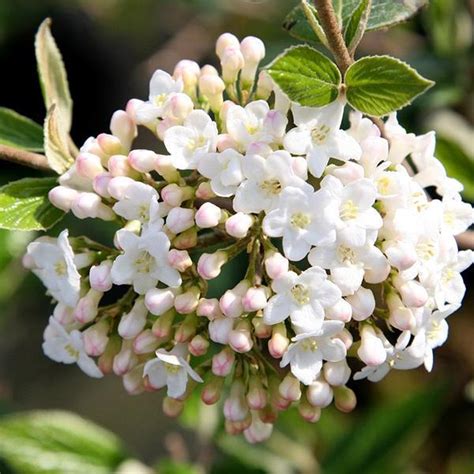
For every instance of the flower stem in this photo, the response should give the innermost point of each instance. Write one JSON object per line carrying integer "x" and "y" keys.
{"x": 23, "y": 157}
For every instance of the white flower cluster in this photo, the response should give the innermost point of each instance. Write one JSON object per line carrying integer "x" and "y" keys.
{"x": 351, "y": 265}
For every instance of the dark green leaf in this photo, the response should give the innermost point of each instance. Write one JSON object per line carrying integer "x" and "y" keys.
{"x": 378, "y": 85}
{"x": 306, "y": 76}
{"x": 382, "y": 432}
{"x": 19, "y": 131}
{"x": 458, "y": 164}
{"x": 24, "y": 205}
{"x": 55, "y": 442}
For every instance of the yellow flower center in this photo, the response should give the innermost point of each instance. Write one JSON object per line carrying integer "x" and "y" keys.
{"x": 271, "y": 186}
{"x": 346, "y": 254}
{"x": 349, "y": 210}
{"x": 300, "y": 294}
{"x": 172, "y": 368}
{"x": 144, "y": 262}
{"x": 60, "y": 268}
{"x": 300, "y": 220}
{"x": 73, "y": 352}
{"x": 309, "y": 345}
{"x": 319, "y": 134}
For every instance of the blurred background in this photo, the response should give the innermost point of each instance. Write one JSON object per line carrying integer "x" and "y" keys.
{"x": 412, "y": 422}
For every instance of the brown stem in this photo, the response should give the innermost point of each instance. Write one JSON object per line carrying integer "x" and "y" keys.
{"x": 466, "y": 240}
{"x": 22, "y": 157}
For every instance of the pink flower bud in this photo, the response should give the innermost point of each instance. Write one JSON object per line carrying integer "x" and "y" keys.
{"x": 64, "y": 314}
{"x": 346, "y": 337}
{"x": 232, "y": 61}
{"x": 319, "y": 394}
{"x": 344, "y": 399}
{"x": 162, "y": 326}
{"x": 186, "y": 240}
{"x": 209, "y": 308}
{"x": 257, "y": 395}
{"x": 253, "y": 51}
{"x": 143, "y": 161}
{"x": 208, "y": 215}
{"x": 371, "y": 351}
{"x": 123, "y": 127}
{"x": 401, "y": 255}
{"x": 235, "y": 407}
{"x": 239, "y": 225}
{"x": 400, "y": 317}
{"x": 100, "y": 184}
{"x": 118, "y": 165}
{"x": 208, "y": 70}
{"x": 89, "y": 165}
{"x": 341, "y": 311}
{"x": 308, "y": 412}
{"x": 363, "y": 304}
{"x": 261, "y": 330}
{"x": 187, "y": 302}
{"x": 348, "y": 173}
{"x": 95, "y": 338}
{"x": 90, "y": 205}
{"x": 211, "y": 85}
{"x": 179, "y": 259}
{"x": 212, "y": 390}
{"x": 133, "y": 381}
{"x": 145, "y": 342}
{"x": 132, "y": 323}
{"x": 126, "y": 359}
{"x": 88, "y": 307}
{"x": 279, "y": 342}
{"x": 105, "y": 361}
{"x": 237, "y": 427}
{"x": 231, "y": 301}
{"x": 264, "y": 86}
{"x": 224, "y": 41}
{"x": 276, "y": 265}
{"x": 337, "y": 373}
{"x": 132, "y": 106}
{"x": 225, "y": 141}
{"x": 99, "y": 276}
{"x": 413, "y": 294}
{"x": 220, "y": 328}
{"x": 188, "y": 71}
{"x": 172, "y": 407}
{"x": 276, "y": 400}
{"x": 290, "y": 388}
{"x": 255, "y": 299}
{"x": 204, "y": 191}
{"x": 174, "y": 195}
{"x": 258, "y": 431}
{"x": 223, "y": 362}
{"x": 240, "y": 338}
{"x": 187, "y": 329}
{"x": 198, "y": 345}
{"x": 180, "y": 219}
{"x": 159, "y": 300}
{"x": 109, "y": 144}
{"x": 165, "y": 168}
{"x": 210, "y": 264}
{"x": 178, "y": 106}
{"x": 63, "y": 197}
{"x": 118, "y": 186}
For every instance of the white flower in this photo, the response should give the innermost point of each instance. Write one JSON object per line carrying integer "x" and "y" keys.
{"x": 307, "y": 351}
{"x": 136, "y": 202}
{"x": 224, "y": 170}
{"x": 171, "y": 369}
{"x": 162, "y": 85}
{"x": 68, "y": 348}
{"x": 350, "y": 265}
{"x": 355, "y": 217}
{"x": 303, "y": 219}
{"x": 266, "y": 179}
{"x": 255, "y": 123}
{"x": 144, "y": 262}
{"x": 302, "y": 298}
{"x": 53, "y": 263}
{"x": 398, "y": 357}
{"x": 188, "y": 142}
{"x": 317, "y": 135}
{"x": 458, "y": 216}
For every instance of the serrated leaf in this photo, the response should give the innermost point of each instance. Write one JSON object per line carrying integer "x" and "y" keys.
{"x": 378, "y": 85}
{"x": 457, "y": 163}
{"x": 383, "y": 14}
{"x": 56, "y": 142}
{"x": 52, "y": 74}
{"x": 357, "y": 24}
{"x": 24, "y": 205}
{"x": 306, "y": 76}
{"x": 56, "y": 442}
{"x": 19, "y": 131}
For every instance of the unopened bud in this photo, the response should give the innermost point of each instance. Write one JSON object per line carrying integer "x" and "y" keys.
{"x": 143, "y": 161}
{"x": 109, "y": 144}
{"x": 208, "y": 215}
{"x": 162, "y": 326}
{"x": 279, "y": 342}
{"x": 132, "y": 323}
{"x": 123, "y": 127}
{"x": 186, "y": 240}
{"x": 258, "y": 431}
{"x": 174, "y": 195}
{"x": 90, "y": 205}
{"x": 198, "y": 345}
{"x": 309, "y": 412}
{"x": 95, "y": 338}
{"x": 89, "y": 165}
{"x": 172, "y": 407}
{"x": 231, "y": 301}
{"x": 62, "y": 197}
{"x": 413, "y": 294}
{"x": 363, "y": 304}
{"x": 211, "y": 393}
{"x": 224, "y": 41}
{"x": 179, "y": 259}
{"x": 187, "y": 328}
{"x": 254, "y": 299}
{"x": 371, "y": 351}
{"x": 341, "y": 311}
{"x": 235, "y": 407}
{"x": 232, "y": 61}
{"x": 146, "y": 342}
{"x": 264, "y": 86}
{"x": 253, "y": 51}
{"x": 319, "y": 394}
{"x": 239, "y": 225}
{"x": 88, "y": 307}
{"x": 240, "y": 338}
{"x": 257, "y": 395}
{"x": 99, "y": 276}
{"x": 276, "y": 265}
{"x": 180, "y": 219}
{"x": 118, "y": 186}
{"x": 344, "y": 399}
{"x": 400, "y": 317}
{"x": 126, "y": 359}
{"x": 165, "y": 168}
{"x": 210, "y": 264}
{"x": 100, "y": 184}
{"x": 112, "y": 348}
{"x": 336, "y": 373}
{"x": 133, "y": 381}
{"x": 209, "y": 308}
{"x": 261, "y": 330}
{"x": 290, "y": 388}
{"x": 178, "y": 107}
{"x": 64, "y": 314}
{"x": 187, "y": 302}
{"x": 220, "y": 328}
{"x": 223, "y": 362}
{"x": 118, "y": 165}
{"x": 204, "y": 191}
{"x": 401, "y": 255}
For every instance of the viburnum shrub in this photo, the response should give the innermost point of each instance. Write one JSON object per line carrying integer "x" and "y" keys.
{"x": 349, "y": 233}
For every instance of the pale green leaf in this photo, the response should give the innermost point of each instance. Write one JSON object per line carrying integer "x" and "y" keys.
{"x": 52, "y": 74}
{"x": 56, "y": 442}
{"x": 306, "y": 76}
{"x": 24, "y": 205}
{"x": 357, "y": 24}
{"x": 19, "y": 131}
{"x": 56, "y": 142}
{"x": 378, "y": 85}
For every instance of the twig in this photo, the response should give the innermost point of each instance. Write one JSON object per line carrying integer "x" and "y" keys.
{"x": 25, "y": 158}
{"x": 466, "y": 240}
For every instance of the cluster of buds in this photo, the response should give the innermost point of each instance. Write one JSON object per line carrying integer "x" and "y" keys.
{"x": 352, "y": 267}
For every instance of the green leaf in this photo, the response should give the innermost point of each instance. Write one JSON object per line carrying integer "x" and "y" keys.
{"x": 357, "y": 24}
{"x": 52, "y": 74}
{"x": 56, "y": 442}
{"x": 168, "y": 466}
{"x": 378, "y": 85}
{"x": 56, "y": 142}
{"x": 458, "y": 164}
{"x": 306, "y": 76}
{"x": 382, "y": 433}
{"x": 24, "y": 205}
{"x": 19, "y": 131}
{"x": 383, "y": 14}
